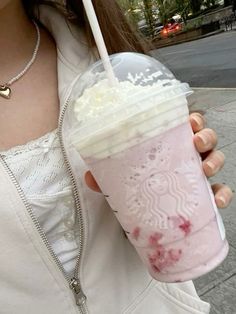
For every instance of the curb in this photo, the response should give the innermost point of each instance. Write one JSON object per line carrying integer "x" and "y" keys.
{"x": 191, "y": 39}
{"x": 215, "y": 88}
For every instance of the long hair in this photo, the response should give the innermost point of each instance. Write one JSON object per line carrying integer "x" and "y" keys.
{"x": 118, "y": 33}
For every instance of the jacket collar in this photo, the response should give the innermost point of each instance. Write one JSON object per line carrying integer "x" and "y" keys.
{"x": 74, "y": 54}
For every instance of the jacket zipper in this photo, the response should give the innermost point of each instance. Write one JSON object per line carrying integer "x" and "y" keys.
{"x": 74, "y": 283}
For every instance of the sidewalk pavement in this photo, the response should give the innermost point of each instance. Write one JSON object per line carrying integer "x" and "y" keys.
{"x": 219, "y": 108}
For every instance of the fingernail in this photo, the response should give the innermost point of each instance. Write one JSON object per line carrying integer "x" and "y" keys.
{"x": 203, "y": 138}
{"x": 223, "y": 200}
{"x": 198, "y": 120}
{"x": 211, "y": 165}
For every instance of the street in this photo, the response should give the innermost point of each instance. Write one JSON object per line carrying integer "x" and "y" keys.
{"x": 207, "y": 62}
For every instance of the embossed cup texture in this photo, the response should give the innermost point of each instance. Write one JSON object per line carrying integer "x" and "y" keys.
{"x": 160, "y": 195}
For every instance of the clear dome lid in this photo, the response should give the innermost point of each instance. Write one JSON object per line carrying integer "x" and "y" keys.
{"x": 137, "y": 68}
{"x": 143, "y": 82}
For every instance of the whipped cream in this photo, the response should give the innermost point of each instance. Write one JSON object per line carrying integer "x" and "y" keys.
{"x": 111, "y": 119}
{"x": 103, "y": 99}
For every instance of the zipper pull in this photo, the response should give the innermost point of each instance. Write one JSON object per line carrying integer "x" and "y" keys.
{"x": 80, "y": 298}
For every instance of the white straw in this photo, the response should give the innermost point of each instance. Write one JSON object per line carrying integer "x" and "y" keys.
{"x": 99, "y": 41}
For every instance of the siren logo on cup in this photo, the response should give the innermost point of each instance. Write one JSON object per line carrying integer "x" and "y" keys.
{"x": 155, "y": 184}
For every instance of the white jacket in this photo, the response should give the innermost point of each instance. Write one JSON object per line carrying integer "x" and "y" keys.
{"x": 112, "y": 278}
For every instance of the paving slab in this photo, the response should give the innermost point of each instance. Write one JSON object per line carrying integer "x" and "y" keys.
{"x": 219, "y": 107}
{"x": 222, "y": 298}
{"x": 204, "y": 99}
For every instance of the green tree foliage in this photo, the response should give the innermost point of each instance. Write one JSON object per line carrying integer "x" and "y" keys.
{"x": 148, "y": 12}
{"x": 182, "y": 8}
{"x": 167, "y": 9}
{"x": 139, "y": 9}
{"x": 133, "y": 10}
{"x": 210, "y": 3}
{"x": 195, "y": 5}
{"x": 227, "y": 2}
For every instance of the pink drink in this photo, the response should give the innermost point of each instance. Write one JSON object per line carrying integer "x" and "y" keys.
{"x": 162, "y": 199}
{"x": 137, "y": 141}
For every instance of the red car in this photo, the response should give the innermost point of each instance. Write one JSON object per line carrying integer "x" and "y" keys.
{"x": 171, "y": 28}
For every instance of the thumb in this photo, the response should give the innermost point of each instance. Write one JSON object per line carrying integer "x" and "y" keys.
{"x": 91, "y": 183}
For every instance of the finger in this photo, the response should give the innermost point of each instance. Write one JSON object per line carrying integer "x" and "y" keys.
{"x": 213, "y": 163}
{"x": 205, "y": 140}
{"x": 197, "y": 121}
{"x": 91, "y": 182}
{"x": 223, "y": 195}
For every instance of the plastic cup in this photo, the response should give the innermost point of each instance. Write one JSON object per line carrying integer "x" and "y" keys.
{"x": 138, "y": 143}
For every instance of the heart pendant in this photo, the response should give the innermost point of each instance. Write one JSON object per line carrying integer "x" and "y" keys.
{"x": 5, "y": 91}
